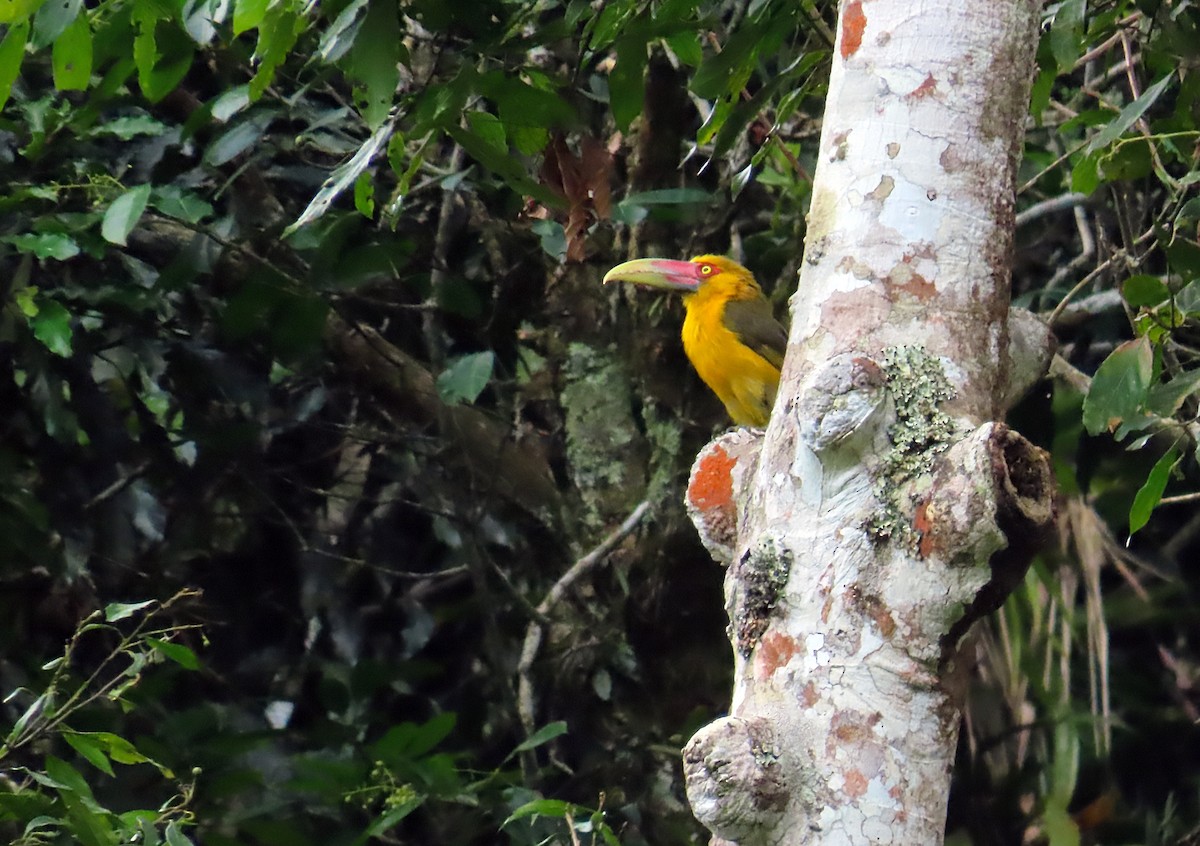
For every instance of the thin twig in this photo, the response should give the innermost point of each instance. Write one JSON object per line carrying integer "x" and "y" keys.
{"x": 533, "y": 635}
{"x": 1097, "y": 51}
{"x": 818, "y": 22}
{"x": 430, "y": 327}
{"x": 1050, "y": 206}
{"x": 1079, "y": 286}
{"x": 1180, "y": 499}
{"x": 1105, "y": 265}
{"x": 1144, "y": 125}
{"x": 119, "y": 485}
{"x": 1029, "y": 183}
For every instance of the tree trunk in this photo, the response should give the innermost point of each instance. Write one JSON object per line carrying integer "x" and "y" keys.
{"x": 883, "y": 511}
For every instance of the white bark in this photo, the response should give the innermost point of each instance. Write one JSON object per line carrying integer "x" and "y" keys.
{"x": 884, "y": 511}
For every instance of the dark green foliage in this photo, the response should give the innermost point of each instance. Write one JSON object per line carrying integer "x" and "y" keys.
{"x": 287, "y": 321}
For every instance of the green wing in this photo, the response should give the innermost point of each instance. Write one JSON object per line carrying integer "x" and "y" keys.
{"x": 757, "y": 328}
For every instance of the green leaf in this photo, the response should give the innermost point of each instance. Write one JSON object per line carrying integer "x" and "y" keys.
{"x": 1183, "y": 256}
{"x": 612, "y": 17}
{"x": 52, "y": 18}
{"x": 12, "y": 53}
{"x": 686, "y": 45}
{"x": 340, "y": 36}
{"x": 230, "y": 102}
{"x": 724, "y": 74}
{"x": 364, "y": 195}
{"x": 1085, "y": 174}
{"x": 543, "y": 735}
{"x": 488, "y": 129}
{"x": 174, "y": 836}
{"x": 745, "y": 111}
{"x": 526, "y": 110}
{"x": 72, "y": 55}
{"x": 1120, "y": 386}
{"x": 1144, "y": 291}
{"x": 1059, "y": 828}
{"x": 177, "y": 652}
{"x": 1066, "y": 32}
{"x": 1064, "y": 771}
{"x": 625, "y": 84}
{"x": 1150, "y": 493}
{"x": 87, "y": 746}
{"x": 373, "y": 63}
{"x": 88, "y": 821}
{"x": 466, "y": 377}
{"x": 145, "y": 43}
{"x": 53, "y": 245}
{"x": 48, "y": 781}
{"x": 1165, "y": 399}
{"x": 553, "y": 238}
{"x": 1129, "y": 115}
{"x": 35, "y": 711}
{"x": 276, "y": 36}
{"x": 1128, "y": 159}
{"x": 342, "y": 178}
{"x": 248, "y": 14}
{"x": 162, "y": 52}
{"x": 124, "y": 214}
{"x": 1043, "y": 85}
{"x": 393, "y": 816}
{"x": 40, "y": 822}
{"x": 503, "y": 165}
{"x": 52, "y": 326}
{"x": 239, "y": 138}
{"x": 175, "y": 202}
{"x": 1188, "y": 299}
{"x": 119, "y": 749}
{"x": 553, "y": 808}
{"x": 130, "y": 126}
{"x": 18, "y": 11}
{"x": 115, "y": 611}
{"x": 407, "y": 741}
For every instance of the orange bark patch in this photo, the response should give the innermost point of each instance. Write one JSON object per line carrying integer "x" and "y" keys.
{"x": 854, "y": 21}
{"x": 712, "y": 483}
{"x": 856, "y": 784}
{"x": 918, "y": 287}
{"x": 850, "y": 732}
{"x": 774, "y": 652}
{"x": 903, "y": 278}
{"x": 925, "y": 89}
{"x": 882, "y": 617}
{"x": 809, "y": 696}
{"x": 851, "y": 311}
{"x": 922, "y": 524}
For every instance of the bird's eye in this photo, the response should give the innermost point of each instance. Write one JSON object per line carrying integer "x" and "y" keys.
{"x": 706, "y": 270}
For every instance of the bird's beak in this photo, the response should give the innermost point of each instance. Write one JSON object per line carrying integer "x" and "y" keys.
{"x": 657, "y": 273}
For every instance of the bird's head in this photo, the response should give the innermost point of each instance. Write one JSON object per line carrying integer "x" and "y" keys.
{"x": 689, "y": 277}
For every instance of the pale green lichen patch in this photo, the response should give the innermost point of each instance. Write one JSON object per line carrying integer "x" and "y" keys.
{"x": 666, "y": 444}
{"x": 762, "y": 575}
{"x": 600, "y": 433}
{"x": 918, "y": 386}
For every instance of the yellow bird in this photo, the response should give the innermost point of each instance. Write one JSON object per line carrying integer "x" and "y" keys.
{"x": 729, "y": 333}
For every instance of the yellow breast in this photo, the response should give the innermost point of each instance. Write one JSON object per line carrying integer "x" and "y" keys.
{"x": 742, "y": 379}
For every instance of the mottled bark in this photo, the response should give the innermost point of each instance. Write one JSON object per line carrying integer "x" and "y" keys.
{"x": 883, "y": 510}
